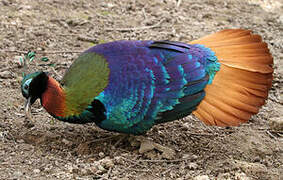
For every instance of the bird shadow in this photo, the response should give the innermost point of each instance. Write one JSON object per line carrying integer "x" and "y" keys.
{"x": 76, "y": 140}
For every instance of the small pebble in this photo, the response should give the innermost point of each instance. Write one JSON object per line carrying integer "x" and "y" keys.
{"x": 101, "y": 154}
{"x": 108, "y": 5}
{"x": 118, "y": 160}
{"x": 66, "y": 142}
{"x": 192, "y": 166}
{"x": 276, "y": 123}
{"x": 83, "y": 172}
{"x": 241, "y": 176}
{"x": 194, "y": 157}
{"x": 201, "y": 177}
{"x": 224, "y": 176}
{"x": 5, "y": 74}
{"x": 75, "y": 170}
{"x": 100, "y": 169}
{"x": 36, "y": 171}
{"x": 107, "y": 163}
{"x": 18, "y": 173}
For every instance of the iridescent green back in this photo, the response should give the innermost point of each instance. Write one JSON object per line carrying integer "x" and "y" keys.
{"x": 85, "y": 79}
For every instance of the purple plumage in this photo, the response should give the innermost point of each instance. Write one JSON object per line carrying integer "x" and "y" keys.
{"x": 151, "y": 82}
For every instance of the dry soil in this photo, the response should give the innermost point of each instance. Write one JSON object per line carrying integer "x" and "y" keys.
{"x": 49, "y": 149}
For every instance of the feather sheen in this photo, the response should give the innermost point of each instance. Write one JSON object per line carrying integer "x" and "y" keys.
{"x": 84, "y": 80}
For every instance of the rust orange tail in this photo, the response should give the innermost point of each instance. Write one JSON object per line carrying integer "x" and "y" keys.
{"x": 241, "y": 86}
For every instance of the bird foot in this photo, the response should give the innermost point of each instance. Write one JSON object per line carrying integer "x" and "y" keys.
{"x": 147, "y": 145}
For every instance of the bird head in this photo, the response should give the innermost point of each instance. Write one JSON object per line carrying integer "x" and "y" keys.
{"x": 32, "y": 86}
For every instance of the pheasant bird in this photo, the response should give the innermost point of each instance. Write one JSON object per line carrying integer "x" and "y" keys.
{"x": 130, "y": 86}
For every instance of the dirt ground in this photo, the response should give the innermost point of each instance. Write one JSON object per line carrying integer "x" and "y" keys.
{"x": 49, "y": 149}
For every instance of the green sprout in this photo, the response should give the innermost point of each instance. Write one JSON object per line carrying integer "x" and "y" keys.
{"x": 29, "y": 57}
{"x": 44, "y": 59}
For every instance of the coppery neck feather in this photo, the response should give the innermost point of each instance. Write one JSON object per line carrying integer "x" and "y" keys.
{"x": 53, "y": 98}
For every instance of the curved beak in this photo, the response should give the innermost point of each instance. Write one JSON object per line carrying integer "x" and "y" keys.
{"x": 27, "y": 108}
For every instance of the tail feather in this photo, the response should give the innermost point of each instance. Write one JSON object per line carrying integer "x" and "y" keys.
{"x": 241, "y": 86}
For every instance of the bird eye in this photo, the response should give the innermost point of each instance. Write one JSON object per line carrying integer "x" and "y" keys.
{"x": 26, "y": 86}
